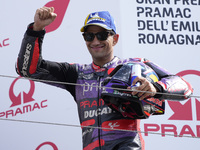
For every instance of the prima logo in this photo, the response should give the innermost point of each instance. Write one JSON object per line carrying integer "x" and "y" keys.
{"x": 90, "y": 87}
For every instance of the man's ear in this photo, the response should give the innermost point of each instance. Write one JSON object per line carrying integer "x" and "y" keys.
{"x": 115, "y": 39}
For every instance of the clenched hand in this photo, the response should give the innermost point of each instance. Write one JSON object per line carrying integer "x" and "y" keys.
{"x": 145, "y": 90}
{"x": 43, "y": 17}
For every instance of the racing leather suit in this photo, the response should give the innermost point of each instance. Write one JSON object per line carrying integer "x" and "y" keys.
{"x": 91, "y": 108}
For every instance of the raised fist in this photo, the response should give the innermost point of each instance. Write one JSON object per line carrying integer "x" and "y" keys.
{"x": 43, "y": 17}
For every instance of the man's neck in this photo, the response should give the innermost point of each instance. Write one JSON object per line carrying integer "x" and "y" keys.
{"x": 101, "y": 62}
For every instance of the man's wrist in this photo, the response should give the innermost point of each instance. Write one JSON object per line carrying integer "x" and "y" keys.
{"x": 159, "y": 89}
{"x": 37, "y": 28}
{"x": 34, "y": 33}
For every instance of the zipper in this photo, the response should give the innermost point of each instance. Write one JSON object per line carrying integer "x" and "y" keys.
{"x": 98, "y": 116}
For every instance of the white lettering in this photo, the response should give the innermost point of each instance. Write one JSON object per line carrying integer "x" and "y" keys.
{"x": 89, "y": 87}
{"x": 95, "y": 113}
{"x": 112, "y": 125}
{"x": 26, "y": 59}
{"x": 87, "y": 131}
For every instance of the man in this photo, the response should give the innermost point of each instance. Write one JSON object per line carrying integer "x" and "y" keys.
{"x": 100, "y": 35}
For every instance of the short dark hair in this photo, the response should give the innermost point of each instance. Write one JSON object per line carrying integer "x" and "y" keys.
{"x": 112, "y": 32}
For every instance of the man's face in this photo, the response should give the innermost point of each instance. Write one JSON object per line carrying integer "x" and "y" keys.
{"x": 101, "y": 51}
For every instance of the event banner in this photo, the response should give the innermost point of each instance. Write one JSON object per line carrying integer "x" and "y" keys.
{"x": 37, "y": 116}
{"x": 167, "y": 32}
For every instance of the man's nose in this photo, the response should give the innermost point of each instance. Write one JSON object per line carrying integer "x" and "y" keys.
{"x": 95, "y": 41}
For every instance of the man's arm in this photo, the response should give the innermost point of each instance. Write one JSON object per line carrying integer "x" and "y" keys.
{"x": 172, "y": 86}
{"x": 30, "y": 63}
{"x": 30, "y": 53}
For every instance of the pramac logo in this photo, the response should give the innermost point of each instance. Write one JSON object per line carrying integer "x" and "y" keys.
{"x": 60, "y": 7}
{"x": 22, "y": 98}
{"x": 27, "y": 97}
{"x": 23, "y": 102}
{"x": 184, "y": 111}
{"x": 5, "y": 42}
{"x": 47, "y": 144}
